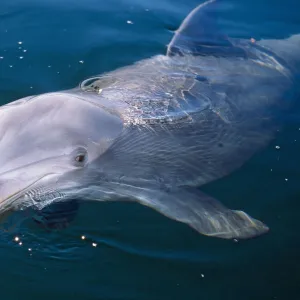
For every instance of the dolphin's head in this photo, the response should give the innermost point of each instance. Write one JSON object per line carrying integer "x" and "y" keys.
{"x": 48, "y": 144}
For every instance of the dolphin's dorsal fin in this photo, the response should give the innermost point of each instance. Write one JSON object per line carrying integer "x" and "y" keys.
{"x": 200, "y": 35}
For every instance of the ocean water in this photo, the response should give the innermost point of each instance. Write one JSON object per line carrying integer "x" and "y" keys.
{"x": 130, "y": 251}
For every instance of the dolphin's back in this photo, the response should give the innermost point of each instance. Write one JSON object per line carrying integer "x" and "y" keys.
{"x": 288, "y": 49}
{"x": 192, "y": 119}
{"x": 201, "y": 111}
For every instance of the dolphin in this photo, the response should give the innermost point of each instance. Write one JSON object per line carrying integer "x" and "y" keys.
{"x": 156, "y": 131}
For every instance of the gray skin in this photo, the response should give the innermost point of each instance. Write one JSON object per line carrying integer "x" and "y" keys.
{"x": 154, "y": 131}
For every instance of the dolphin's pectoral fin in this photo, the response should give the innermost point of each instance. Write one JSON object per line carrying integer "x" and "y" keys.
{"x": 205, "y": 214}
{"x": 200, "y": 35}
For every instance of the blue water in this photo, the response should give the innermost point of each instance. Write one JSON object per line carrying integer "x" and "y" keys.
{"x": 131, "y": 252}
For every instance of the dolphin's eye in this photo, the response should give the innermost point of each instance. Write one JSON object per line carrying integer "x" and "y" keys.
{"x": 80, "y": 158}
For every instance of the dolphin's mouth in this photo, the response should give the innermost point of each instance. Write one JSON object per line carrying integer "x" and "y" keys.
{"x": 13, "y": 190}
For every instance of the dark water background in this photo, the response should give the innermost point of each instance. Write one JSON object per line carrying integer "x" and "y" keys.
{"x": 140, "y": 254}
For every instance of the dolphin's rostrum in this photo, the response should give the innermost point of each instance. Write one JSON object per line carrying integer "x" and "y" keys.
{"x": 155, "y": 131}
